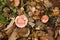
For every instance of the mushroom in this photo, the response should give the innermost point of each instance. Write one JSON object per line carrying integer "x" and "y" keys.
{"x": 21, "y": 21}
{"x": 45, "y": 19}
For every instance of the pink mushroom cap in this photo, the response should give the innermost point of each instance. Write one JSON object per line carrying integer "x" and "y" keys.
{"x": 21, "y": 21}
{"x": 45, "y": 19}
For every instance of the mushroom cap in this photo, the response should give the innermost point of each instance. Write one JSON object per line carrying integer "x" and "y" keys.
{"x": 21, "y": 21}
{"x": 45, "y": 19}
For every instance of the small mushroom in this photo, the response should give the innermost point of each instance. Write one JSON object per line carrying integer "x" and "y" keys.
{"x": 45, "y": 19}
{"x": 21, "y": 21}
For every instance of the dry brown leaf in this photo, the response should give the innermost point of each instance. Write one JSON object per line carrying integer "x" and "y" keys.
{"x": 13, "y": 35}
{"x": 55, "y": 12}
{"x": 36, "y": 17}
{"x": 33, "y": 3}
{"x": 10, "y": 24}
{"x": 24, "y": 32}
{"x": 36, "y": 14}
{"x": 10, "y": 30}
{"x": 47, "y": 4}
